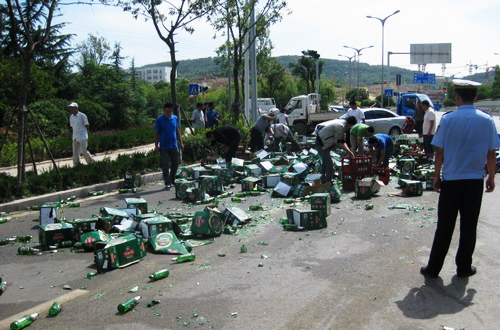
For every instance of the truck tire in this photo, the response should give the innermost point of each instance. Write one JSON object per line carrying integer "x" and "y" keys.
{"x": 395, "y": 131}
{"x": 301, "y": 128}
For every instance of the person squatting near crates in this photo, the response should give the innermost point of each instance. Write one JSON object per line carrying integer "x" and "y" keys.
{"x": 384, "y": 145}
{"x": 357, "y": 134}
{"x": 227, "y": 135}
{"x": 282, "y": 134}
{"x": 331, "y": 134}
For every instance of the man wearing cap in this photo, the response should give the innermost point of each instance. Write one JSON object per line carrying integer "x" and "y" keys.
{"x": 331, "y": 134}
{"x": 79, "y": 123}
{"x": 465, "y": 139}
{"x": 257, "y": 131}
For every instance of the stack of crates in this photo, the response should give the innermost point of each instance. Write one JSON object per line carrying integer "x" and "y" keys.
{"x": 355, "y": 168}
{"x": 382, "y": 173}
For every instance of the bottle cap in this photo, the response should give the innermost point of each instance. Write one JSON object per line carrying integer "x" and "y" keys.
{"x": 138, "y": 298}
{"x": 34, "y": 315}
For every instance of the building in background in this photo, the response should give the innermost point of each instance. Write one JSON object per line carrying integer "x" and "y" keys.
{"x": 154, "y": 73}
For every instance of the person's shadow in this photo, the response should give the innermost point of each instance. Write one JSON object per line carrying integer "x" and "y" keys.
{"x": 433, "y": 298}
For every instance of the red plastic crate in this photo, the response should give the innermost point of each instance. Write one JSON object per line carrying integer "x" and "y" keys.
{"x": 382, "y": 173}
{"x": 419, "y": 157}
{"x": 349, "y": 180}
{"x": 357, "y": 165}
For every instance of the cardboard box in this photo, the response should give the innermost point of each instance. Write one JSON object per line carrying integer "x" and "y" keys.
{"x": 302, "y": 189}
{"x": 210, "y": 184}
{"x": 139, "y": 203}
{"x": 363, "y": 189}
{"x": 282, "y": 189}
{"x": 407, "y": 165}
{"x": 118, "y": 214}
{"x": 132, "y": 180}
{"x": 51, "y": 212}
{"x": 271, "y": 180}
{"x": 307, "y": 219}
{"x": 207, "y": 223}
{"x": 253, "y": 170}
{"x": 412, "y": 188}
{"x": 184, "y": 173}
{"x": 321, "y": 202}
{"x": 55, "y": 233}
{"x": 119, "y": 252}
{"x": 83, "y": 226}
{"x": 290, "y": 178}
{"x": 153, "y": 226}
{"x": 91, "y": 238}
{"x": 167, "y": 242}
{"x": 335, "y": 193}
{"x": 279, "y": 169}
{"x": 234, "y": 216}
{"x": 249, "y": 184}
{"x": 194, "y": 195}
{"x": 181, "y": 187}
{"x": 266, "y": 166}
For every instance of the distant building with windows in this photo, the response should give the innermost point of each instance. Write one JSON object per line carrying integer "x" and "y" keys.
{"x": 154, "y": 74}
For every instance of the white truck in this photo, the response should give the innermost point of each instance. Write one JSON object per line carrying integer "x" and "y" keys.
{"x": 304, "y": 113}
{"x": 264, "y": 105}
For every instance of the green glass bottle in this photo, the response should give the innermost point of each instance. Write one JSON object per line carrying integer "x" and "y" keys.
{"x": 27, "y": 250}
{"x": 129, "y": 304}
{"x": 243, "y": 249}
{"x": 185, "y": 257}
{"x": 4, "y": 220}
{"x": 23, "y": 238}
{"x": 65, "y": 244}
{"x": 290, "y": 227}
{"x": 240, "y": 194}
{"x": 71, "y": 198}
{"x": 55, "y": 309}
{"x": 289, "y": 201}
{"x": 74, "y": 204}
{"x": 23, "y": 322}
{"x": 78, "y": 245}
{"x": 237, "y": 199}
{"x": 5, "y": 241}
{"x": 3, "y": 286}
{"x": 255, "y": 208}
{"x": 159, "y": 274}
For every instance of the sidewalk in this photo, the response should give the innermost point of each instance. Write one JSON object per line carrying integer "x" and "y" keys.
{"x": 23, "y": 204}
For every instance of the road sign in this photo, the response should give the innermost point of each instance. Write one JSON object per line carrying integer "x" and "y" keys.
{"x": 388, "y": 93}
{"x": 424, "y": 78}
{"x": 194, "y": 89}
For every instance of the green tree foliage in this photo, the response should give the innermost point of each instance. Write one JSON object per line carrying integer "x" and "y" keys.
{"x": 53, "y": 121}
{"x": 495, "y": 87}
{"x": 305, "y": 69}
{"x": 352, "y": 94}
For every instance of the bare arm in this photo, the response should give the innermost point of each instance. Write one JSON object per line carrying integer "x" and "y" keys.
{"x": 437, "y": 168}
{"x": 343, "y": 145}
{"x": 491, "y": 166}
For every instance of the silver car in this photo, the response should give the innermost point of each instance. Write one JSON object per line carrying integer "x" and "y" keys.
{"x": 383, "y": 120}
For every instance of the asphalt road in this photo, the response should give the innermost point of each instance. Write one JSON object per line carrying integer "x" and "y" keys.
{"x": 362, "y": 272}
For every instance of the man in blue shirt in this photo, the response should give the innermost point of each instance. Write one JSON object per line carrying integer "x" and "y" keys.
{"x": 468, "y": 137}
{"x": 212, "y": 116}
{"x": 384, "y": 145}
{"x": 167, "y": 133}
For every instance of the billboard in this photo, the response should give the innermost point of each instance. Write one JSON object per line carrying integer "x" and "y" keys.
{"x": 430, "y": 53}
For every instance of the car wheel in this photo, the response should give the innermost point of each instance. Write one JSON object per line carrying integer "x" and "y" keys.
{"x": 301, "y": 128}
{"x": 395, "y": 131}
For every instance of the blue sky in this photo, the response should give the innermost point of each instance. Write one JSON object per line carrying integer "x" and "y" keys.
{"x": 325, "y": 26}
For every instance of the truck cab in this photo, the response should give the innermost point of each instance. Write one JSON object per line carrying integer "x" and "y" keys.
{"x": 407, "y": 103}
{"x": 304, "y": 112}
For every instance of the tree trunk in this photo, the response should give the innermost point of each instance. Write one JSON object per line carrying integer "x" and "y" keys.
{"x": 23, "y": 96}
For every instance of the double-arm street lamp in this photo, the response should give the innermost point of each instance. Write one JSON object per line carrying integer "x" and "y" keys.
{"x": 314, "y": 54}
{"x": 350, "y": 67}
{"x": 357, "y": 79}
{"x": 382, "y": 82}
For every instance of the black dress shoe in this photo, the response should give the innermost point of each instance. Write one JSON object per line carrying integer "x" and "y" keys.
{"x": 471, "y": 272}
{"x": 424, "y": 272}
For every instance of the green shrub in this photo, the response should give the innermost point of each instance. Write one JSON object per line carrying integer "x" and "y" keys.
{"x": 449, "y": 103}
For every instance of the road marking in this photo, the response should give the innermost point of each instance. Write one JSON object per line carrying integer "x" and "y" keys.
{"x": 42, "y": 309}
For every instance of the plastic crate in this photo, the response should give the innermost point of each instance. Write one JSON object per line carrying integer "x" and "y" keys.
{"x": 349, "y": 180}
{"x": 419, "y": 157}
{"x": 357, "y": 165}
{"x": 382, "y": 173}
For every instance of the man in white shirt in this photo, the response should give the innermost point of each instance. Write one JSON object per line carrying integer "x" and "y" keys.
{"x": 80, "y": 125}
{"x": 428, "y": 129}
{"x": 198, "y": 118}
{"x": 355, "y": 112}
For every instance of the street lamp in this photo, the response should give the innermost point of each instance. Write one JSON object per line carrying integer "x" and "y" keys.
{"x": 314, "y": 54}
{"x": 350, "y": 67}
{"x": 383, "y": 24}
{"x": 357, "y": 79}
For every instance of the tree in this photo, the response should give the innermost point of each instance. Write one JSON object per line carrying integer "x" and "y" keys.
{"x": 305, "y": 68}
{"x": 30, "y": 32}
{"x": 94, "y": 49}
{"x": 235, "y": 17}
{"x": 272, "y": 77}
{"x": 178, "y": 16}
{"x": 495, "y": 87}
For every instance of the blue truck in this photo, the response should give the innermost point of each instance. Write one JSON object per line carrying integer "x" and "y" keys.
{"x": 407, "y": 102}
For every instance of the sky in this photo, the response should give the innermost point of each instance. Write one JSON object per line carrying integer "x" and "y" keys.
{"x": 325, "y": 26}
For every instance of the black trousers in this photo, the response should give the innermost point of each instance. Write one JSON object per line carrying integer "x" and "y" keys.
{"x": 256, "y": 140}
{"x": 233, "y": 147}
{"x": 457, "y": 196}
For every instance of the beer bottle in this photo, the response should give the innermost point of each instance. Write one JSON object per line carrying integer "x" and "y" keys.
{"x": 23, "y": 322}
{"x": 159, "y": 274}
{"x": 243, "y": 249}
{"x": 290, "y": 227}
{"x": 255, "y": 208}
{"x": 128, "y": 305}
{"x": 185, "y": 257}
{"x": 23, "y": 238}
{"x": 55, "y": 309}
{"x": 5, "y": 241}
{"x": 4, "y": 220}
{"x": 71, "y": 198}
{"x": 78, "y": 245}
{"x": 237, "y": 199}
{"x": 240, "y": 194}
{"x": 74, "y": 204}
{"x": 289, "y": 201}
{"x": 3, "y": 286}
{"x": 65, "y": 244}
{"x": 27, "y": 250}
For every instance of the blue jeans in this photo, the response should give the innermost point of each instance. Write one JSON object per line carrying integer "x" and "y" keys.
{"x": 169, "y": 164}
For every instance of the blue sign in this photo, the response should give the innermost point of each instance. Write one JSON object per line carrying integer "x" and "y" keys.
{"x": 194, "y": 89}
{"x": 424, "y": 78}
{"x": 388, "y": 92}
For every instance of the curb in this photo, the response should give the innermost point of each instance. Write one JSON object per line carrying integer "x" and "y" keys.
{"x": 82, "y": 192}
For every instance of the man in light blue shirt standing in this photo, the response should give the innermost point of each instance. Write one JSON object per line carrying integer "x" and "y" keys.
{"x": 167, "y": 133}
{"x": 465, "y": 140}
